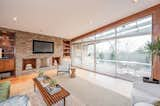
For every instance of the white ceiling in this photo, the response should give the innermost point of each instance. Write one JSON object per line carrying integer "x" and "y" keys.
{"x": 66, "y": 18}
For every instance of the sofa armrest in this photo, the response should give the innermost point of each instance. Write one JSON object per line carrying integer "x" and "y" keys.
{"x": 4, "y": 90}
{"x": 143, "y": 104}
{"x": 140, "y": 96}
{"x": 145, "y": 92}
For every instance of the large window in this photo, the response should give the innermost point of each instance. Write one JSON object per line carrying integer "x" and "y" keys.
{"x": 76, "y": 55}
{"x": 118, "y": 52}
{"x": 105, "y": 57}
{"x": 88, "y": 56}
{"x": 132, "y": 61}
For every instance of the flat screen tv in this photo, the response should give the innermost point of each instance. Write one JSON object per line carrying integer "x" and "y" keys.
{"x": 43, "y": 46}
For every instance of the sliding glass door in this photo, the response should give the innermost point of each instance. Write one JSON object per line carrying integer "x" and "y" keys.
{"x": 76, "y": 55}
{"x": 88, "y": 56}
{"x": 105, "y": 57}
{"x": 117, "y": 52}
{"x": 132, "y": 61}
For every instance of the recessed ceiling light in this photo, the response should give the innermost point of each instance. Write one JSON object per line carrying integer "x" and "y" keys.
{"x": 135, "y": 1}
{"x": 40, "y": 30}
{"x": 14, "y": 18}
{"x": 90, "y": 22}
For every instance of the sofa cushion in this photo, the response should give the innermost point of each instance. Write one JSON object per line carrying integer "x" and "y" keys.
{"x": 16, "y": 101}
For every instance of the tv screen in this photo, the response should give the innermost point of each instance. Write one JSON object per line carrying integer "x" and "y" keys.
{"x": 43, "y": 47}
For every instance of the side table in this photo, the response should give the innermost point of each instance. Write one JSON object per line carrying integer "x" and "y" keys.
{"x": 73, "y": 72}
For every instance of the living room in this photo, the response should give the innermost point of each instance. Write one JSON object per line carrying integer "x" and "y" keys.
{"x": 79, "y": 53}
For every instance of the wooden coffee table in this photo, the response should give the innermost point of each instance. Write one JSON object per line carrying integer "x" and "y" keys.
{"x": 48, "y": 98}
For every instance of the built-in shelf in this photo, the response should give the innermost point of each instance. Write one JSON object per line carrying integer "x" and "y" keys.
{"x": 66, "y": 48}
{"x": 7, "y": 53}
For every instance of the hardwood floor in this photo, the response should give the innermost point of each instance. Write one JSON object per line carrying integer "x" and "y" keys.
{"x": 23, "y": 78}
{"x": 120, "y": 86}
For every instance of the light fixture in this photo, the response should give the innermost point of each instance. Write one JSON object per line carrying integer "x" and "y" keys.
{"x": 90, "y": 22}
{"x": 14, "y": 18}
{"x": 135, "y": 1}
{"x": 4, "y": 40}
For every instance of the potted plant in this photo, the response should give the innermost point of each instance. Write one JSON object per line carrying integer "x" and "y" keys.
{"x": 53, "y": 83}
{"x": 46, "y": 79}
{"x": 41, "y": 73}
{"x": 153, "y": 49}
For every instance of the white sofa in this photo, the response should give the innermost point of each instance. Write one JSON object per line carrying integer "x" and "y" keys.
{"x": 143, "y": 104}
{"x": 145, "y": 94}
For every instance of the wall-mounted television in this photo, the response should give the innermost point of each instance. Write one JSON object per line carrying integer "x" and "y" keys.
{"x": 43, "y": 46}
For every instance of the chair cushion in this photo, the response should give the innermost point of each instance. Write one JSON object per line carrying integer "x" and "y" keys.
{"x": 65, "y": 66}
{"x": 143, "y": 104}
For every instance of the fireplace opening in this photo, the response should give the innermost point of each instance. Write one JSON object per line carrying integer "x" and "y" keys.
{"x": 29, "y": 64}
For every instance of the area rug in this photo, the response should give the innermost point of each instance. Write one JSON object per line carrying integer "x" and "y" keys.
{"x": 91, "y": 94}
{"x": 83, "y": 93}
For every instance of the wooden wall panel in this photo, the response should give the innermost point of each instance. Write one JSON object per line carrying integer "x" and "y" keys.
{"x": 1, "y": 66}
{"x": 156, "y": 34}
{"x": 9, "y": 64}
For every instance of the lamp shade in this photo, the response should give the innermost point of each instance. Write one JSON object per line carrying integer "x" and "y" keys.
{"x": 4, "y": 40}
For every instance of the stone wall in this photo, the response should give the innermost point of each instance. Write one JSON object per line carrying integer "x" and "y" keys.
{"x": 23, "y": 49}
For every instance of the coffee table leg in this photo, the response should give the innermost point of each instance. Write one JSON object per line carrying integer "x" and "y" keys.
{"x": 64, "y": 102}
{"x": 34, "y": 87}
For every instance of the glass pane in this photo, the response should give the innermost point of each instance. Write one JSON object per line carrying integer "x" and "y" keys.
{"x": 139, "y": 27}
{"x": 119, "y": 52}
{"x": 132, "y": 61}
{"x": 76, "y": 55}
{"x": 106, "y": 34}
{"x": 92, "y": 38}
{"x": 88, "y": 56}
{"x": 105, "y": 57}
{"x": 77, "y": 41}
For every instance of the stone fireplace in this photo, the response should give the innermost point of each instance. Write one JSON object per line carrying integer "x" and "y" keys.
{"x": 36, "y": 63}
{"x": 27, "y": 61}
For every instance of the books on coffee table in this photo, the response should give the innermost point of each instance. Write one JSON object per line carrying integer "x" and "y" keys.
{"x": 45, "y": 84}
{"x": 53, "y": 90}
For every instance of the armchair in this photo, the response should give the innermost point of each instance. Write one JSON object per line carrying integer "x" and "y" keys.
{"x": 64, "y": 67}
